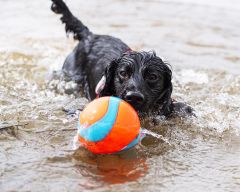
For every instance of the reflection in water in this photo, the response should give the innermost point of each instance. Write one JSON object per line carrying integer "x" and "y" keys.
{"x": 112, "y": 169}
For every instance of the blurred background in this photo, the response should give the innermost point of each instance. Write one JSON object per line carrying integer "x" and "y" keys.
{"x": 200, "y": 39}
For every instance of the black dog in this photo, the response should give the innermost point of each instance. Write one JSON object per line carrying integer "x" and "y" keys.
{"x": 105, "y": 66}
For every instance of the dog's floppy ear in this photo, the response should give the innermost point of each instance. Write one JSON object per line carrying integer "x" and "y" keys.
{"x": 105, "y": 86}
{"x": 165, "y": 100}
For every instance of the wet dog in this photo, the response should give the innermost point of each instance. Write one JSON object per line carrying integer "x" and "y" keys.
{"x": 105, "y": 66}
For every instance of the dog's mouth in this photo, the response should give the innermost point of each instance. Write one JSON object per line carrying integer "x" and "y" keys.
{"x": 136, "y": 105}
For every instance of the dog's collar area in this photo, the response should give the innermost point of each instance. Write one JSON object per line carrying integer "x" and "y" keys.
{"x": 128, "y": 50}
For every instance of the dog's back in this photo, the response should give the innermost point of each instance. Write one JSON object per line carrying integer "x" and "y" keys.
{"x": 88, "y": 60}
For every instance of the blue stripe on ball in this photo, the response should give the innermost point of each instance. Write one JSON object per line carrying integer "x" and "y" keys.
{"x": 132, "y": 144}
{"x": 100, "y": 129}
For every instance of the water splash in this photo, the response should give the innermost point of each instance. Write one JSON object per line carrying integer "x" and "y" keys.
{"x": 156, "y": 135}
{"x": 214, "y": 96}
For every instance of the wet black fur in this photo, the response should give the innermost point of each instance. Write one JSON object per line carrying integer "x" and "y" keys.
{"x": 97, "y": 55}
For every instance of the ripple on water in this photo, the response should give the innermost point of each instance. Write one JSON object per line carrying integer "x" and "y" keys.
{"x": 45, "y": 137}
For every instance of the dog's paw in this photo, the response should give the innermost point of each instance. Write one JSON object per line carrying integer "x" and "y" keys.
{"x": 183, "y": 109}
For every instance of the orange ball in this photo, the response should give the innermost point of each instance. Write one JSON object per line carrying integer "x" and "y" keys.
{"x": 108, "y": 125}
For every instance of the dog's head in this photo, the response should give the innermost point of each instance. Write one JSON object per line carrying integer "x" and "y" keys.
{"x": 140, "y": 78}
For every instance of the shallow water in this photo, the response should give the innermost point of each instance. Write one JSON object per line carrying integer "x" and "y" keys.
{"x": 200, "y": 41}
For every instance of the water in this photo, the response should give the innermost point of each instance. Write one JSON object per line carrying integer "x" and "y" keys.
{"x": 199, "y": 39}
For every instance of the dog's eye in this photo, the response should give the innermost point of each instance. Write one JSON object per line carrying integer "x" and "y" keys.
{"x": 152, "y": 77}
{"x": 123, "y": 74}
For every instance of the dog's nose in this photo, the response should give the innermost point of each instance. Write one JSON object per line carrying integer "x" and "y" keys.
{"x": 134, "y": 98}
